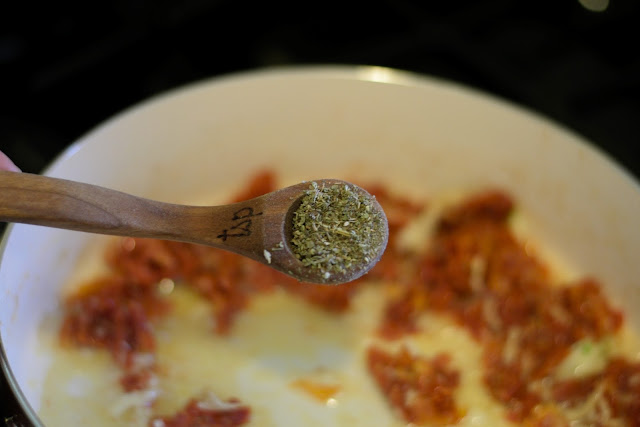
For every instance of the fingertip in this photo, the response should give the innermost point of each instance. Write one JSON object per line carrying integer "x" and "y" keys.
{"x": 7, "y": 164}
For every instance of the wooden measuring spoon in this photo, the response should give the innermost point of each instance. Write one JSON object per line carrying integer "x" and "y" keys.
{"x": 259, "y": 228}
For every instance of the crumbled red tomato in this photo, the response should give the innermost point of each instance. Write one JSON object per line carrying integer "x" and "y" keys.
{"x": 197, "y": 414}
{"x": 546, "y": 416}
{"x": 422, "y": 390}
{"x": 613, "y": 394}
{"x": 115, "y": 314}
{"x": 490, "y": 206}
{"x": 137, "y": 379}
{"x": 477, "y": 272}
{"x": 261, "y": 183}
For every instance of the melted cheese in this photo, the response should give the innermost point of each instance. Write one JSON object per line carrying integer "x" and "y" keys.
{"x": 279, "y": 350}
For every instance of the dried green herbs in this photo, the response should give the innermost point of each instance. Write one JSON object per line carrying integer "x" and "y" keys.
{"x": 337, "y": 228}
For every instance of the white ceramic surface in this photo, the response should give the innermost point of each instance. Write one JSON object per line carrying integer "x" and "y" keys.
{"x": 418, "y": 134}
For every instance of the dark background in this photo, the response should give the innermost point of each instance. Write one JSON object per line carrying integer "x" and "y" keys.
{"x": 65, "y": 68}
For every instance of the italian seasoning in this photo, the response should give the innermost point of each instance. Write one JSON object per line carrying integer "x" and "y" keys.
{"x": 336, "y": 228}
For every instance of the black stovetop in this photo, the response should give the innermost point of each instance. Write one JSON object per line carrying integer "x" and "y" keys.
{"x": 66, "y": 68}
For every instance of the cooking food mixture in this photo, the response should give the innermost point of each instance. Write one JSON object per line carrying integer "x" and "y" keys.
{"x": 472, "y": 327}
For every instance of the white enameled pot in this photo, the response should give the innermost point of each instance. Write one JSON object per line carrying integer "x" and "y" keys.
{"x": 416, "y": 133}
